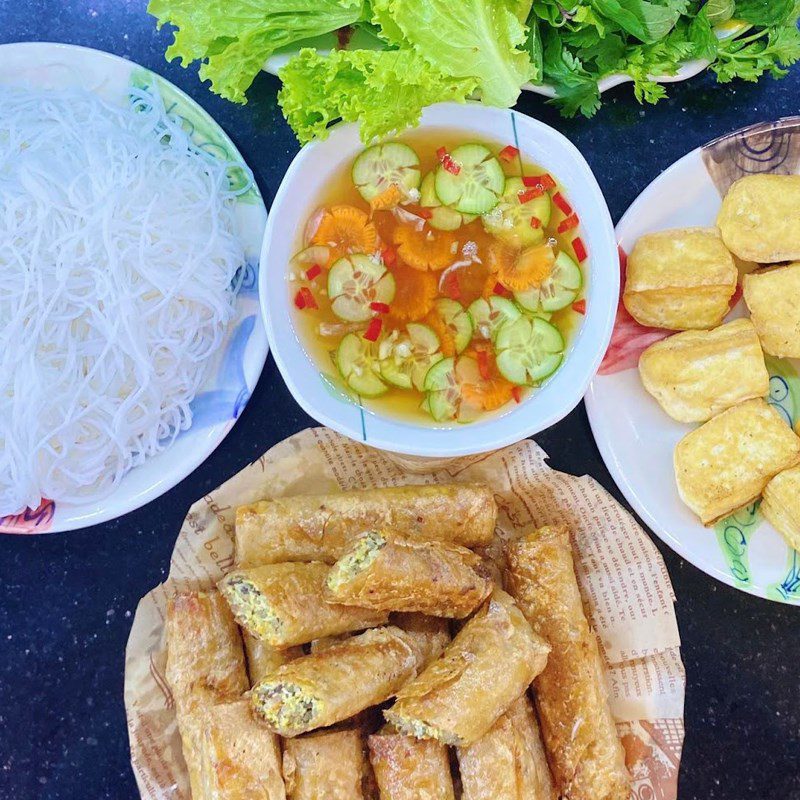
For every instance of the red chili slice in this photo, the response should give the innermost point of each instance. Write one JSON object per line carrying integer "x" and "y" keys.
{"x": 425, "y": 213}
{"x": 313, "y": 271}
{"x": 450, "y": 287}
{"x": 501, "y": 290}
{"x": 579, "y": 306}
{"x": 569, "y": 223}
{"x": 536, "y": 222}
{"x": 580, "y": 249}
{"x": 381, "y": 308}
{"x": 310, "y": 302}
{"x": 451, "y": 165}
{"x": 546, "y": 182}
{"x": 530, "y": 194}
{"x": 300, "y": 300}
{"x": 508, "y": 153}
{"x": 516, "y": 393}
{"x": 389, "y": 256}
{"x": 483, "y": 365}
{"x": 562, "y": 203}
{"x": 373, "y": 330}
{"x": 441, "y": 153}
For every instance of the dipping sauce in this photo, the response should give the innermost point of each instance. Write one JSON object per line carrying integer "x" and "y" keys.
{"x": 440, "y": 278}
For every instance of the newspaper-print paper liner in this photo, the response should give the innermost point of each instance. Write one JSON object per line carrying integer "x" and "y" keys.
{"x": 623, "y": 580}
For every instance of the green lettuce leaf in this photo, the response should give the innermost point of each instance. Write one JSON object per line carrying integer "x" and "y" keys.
{"x": 718, "y": 11}
{"x": 471, "y": 39}
{"x": 766, "y": 12}
{"x": 646, "y": 21}
{"x": 385, "y": 91}
{"x": 233, "y": 38}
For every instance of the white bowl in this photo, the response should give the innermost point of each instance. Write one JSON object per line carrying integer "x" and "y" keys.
{"x": 298, "y": 196}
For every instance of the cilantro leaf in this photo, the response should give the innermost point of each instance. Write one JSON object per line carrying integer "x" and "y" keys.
{"x": 768, "y": 51}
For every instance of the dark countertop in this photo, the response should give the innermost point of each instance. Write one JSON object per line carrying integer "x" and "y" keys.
{"x": 67, "y": 600}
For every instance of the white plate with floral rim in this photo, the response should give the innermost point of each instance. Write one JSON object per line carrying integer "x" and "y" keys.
{"x": 238, "y": 363}
{"x": 636, "y": 438}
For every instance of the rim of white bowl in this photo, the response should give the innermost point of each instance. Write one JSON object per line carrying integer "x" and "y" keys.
{"x": 557, "y": 398}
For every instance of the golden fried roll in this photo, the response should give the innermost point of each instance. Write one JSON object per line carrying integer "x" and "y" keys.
{"x": 240, "y": 759}
{"x": 759, "y": 220}
{"x": 263, "y": 658}
{"x": 430, "y": 635}
{"x": 328, "y": 765}
{"x": 726, "y": 463}
{"x": 205, "y": 659}
{"x": 781, "y": 505}
{"x": 443, "y": 580}
{"x": 680, "y": 279}
{"x": 508, "y": 762}
{"x": 205, "y": 665}
{"x": 489, "y": 663}
{"x": 772, "y": 297}
{"x": 320, "y": 527}
{"x": 410, "y": 769}
{"x": 283, "y": 604}
{"x": 323, "y": 688}
{"x": 580, "y": 737}
{"x": 697, "y": 374}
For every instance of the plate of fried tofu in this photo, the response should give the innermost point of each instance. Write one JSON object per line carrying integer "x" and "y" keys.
{"x": 696, "y": 408}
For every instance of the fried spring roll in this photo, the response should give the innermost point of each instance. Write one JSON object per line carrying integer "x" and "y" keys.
{"x": 410, "y": 769}
{"x": 487, "y": 666}
{"x": 205, "y": 660}
{"x": 329, "y": 765}
{"x": 205, "y": 666}
{"x": 430, "y": 635}
{"x": 583, "y": 748}
{"x": 283, "y": 604}
{"x": 323, "y": 688}
{"x": 263, "y": 658}
{"x": 240, "y": 758}
{"x": 435, "y": 578}
{"x": 320, "y": 527}
{"x": 509, "y": 762}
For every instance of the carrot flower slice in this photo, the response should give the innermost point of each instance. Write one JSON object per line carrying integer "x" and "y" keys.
{"x": 521, "y": 270}
{"x": 425, "y": 249}
{"x": 415, "y": 293}
{"x": 447, "y": 342}
{"x": 345, "y": 230}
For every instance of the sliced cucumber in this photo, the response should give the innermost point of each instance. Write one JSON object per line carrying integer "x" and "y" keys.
{"x": 443, "y": 395}
{"x": 405, "y": 361}
{"x": 476, "y": 187}
{"x": 557, "y": 291}
{"x": 440, "y": 375}
{"x": 489, "y": 315}
{"x": 457, "y": 319}
{"x": 356, "y": 281}
{"x": 528, "y": 350}
{"x": 443, "y": 218}
{"x": 510, "y": 220}
{"x": 355, "y": 358}
{"x": 382, "y": 166}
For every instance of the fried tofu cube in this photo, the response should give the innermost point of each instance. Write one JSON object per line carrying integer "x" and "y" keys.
{"x": 759, "y": 218}
{"x": 781, "y": 505}
{"x": 695, "y": 375}
{"x": 726, "y": 463}
{"x": 773, "y": 297}
{"x": 680, "y": 279}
